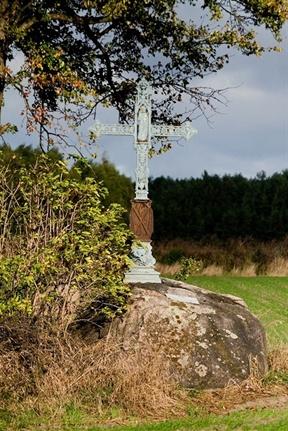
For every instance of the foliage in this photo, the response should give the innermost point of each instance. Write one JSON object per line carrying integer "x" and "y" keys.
{"x": 188, "y": 266}
{"x": 61, "y": 252}
{"x": 221, "y": 208}
{"x": 93, "y": 51}
{"x": 120, "y": 187}
{"x": 234, "y": 256}
{"x": 25, "y": 156}
{"x": 172, "y": 256}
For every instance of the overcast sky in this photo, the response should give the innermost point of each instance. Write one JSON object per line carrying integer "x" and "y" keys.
{"x": 248, "y": 136}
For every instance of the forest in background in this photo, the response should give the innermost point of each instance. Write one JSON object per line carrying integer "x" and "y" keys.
{"x": 211, "y": 208}
{"x": 221, "y": 207}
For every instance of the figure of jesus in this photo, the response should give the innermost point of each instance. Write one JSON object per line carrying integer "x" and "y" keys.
{"x": 143, "y": 124}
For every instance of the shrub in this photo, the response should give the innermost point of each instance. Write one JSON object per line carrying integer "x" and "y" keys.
{"x": 61, "y": 253}
{"x": 189, "y": 266}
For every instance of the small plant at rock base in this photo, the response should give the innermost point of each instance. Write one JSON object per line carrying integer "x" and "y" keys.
{"x": 189, "y": 266}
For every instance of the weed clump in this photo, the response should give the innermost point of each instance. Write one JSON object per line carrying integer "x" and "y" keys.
{"x": 235, "y": 256}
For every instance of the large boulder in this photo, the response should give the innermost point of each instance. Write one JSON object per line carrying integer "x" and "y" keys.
{"x": 211, "y": 340}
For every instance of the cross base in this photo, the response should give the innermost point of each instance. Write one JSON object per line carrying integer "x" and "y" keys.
{"x": 143, "y": 269}
{"x": 139, "y": 274}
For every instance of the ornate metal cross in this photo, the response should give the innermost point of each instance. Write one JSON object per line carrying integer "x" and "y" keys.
{"x": 141, "y": 216}
{"x": 143, "y": 131}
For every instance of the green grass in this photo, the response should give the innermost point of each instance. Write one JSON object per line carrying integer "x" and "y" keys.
{"x": 265, "y": 419}
{"x": 266, "y": 297}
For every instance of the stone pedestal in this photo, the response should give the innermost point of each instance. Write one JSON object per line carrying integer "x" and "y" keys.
{"x": 142, "y": 270}
{"x": 141, "y": 223}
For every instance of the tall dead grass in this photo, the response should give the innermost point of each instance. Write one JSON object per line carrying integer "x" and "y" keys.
{"x": 278, "y": 267}
{"x": 235, "y": 257}
{"x": 48, "y": 372}
{"x": 278, "y": 359}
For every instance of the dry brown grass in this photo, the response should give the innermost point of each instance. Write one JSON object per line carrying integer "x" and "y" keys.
{"x": 137, "y": 382}
{"x": 235, "y": 257}
{"x": 278, "y": 359}
{"x": 278, "y": 267}
{"x": 46, "y": 372}
{"x": 51, "y": 371}
{"x": 168, "y": 269}
{"x": 211, "y": 270}
{"x": 247, "y": 271}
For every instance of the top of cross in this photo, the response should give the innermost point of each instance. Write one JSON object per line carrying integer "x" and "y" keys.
{"x": 143, "y": 120}
{"x": 144, "y": 85}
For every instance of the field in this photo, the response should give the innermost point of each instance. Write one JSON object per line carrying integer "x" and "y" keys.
{"x": 267, "y": 297}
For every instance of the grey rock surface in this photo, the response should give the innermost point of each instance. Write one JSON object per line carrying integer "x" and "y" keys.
{"x": 211, "y": 340}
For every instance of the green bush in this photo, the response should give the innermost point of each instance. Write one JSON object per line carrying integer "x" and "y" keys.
{"x": 189, "y": 266}
{"x": 61, "y": 252}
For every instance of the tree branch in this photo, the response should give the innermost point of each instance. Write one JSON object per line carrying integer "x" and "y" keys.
{"x": 73, "y": 19}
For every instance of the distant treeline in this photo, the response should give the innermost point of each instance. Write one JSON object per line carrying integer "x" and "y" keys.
{"x": 221, "y": 207}
{"x": 119, "y": 186}
{"x": 206, "y": 208}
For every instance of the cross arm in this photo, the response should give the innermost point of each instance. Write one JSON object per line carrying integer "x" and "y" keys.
{"x": 112, "y": 129}
{"x": 184, "y": 131}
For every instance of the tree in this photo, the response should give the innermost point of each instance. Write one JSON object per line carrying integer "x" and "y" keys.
{"x": 24, "y": 156}
{"x": 91, "y": 51}
{"x": 119, "y": 187}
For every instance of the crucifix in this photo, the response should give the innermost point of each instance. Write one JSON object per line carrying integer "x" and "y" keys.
{"x": 141, "y": 215}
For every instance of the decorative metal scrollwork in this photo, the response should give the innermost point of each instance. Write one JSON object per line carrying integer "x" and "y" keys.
{"x": 142, "y": 130}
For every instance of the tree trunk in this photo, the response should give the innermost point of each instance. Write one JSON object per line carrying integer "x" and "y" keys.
{"x": 4, "y": 46}
{"x": 3, "y": 59}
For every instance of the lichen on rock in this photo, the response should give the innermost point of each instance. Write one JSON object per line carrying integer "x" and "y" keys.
{"x": 209, "y": 343}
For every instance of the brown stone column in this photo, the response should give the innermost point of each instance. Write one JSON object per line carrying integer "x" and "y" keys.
{"x": 141, "y": 219}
